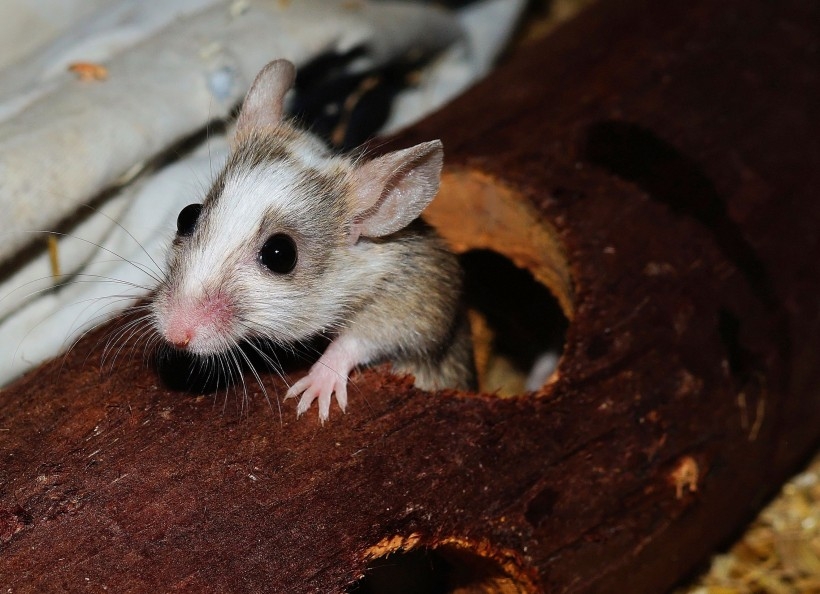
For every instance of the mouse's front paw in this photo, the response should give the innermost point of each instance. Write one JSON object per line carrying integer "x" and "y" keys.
{"x": 320, "y": 383}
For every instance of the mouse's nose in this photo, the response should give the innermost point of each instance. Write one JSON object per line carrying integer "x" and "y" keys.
{"x": 179, "y": 331}
{"x": 198, "y": 325}
{"x": 180, "y": 341}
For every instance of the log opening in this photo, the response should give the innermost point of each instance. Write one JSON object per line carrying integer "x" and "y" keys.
{"x": 518, "y": 285}
{"x": 518, "y": 325}
{"x": 457, "y": 566}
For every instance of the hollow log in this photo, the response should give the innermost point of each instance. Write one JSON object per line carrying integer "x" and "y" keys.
{"x": 654, "y": 166}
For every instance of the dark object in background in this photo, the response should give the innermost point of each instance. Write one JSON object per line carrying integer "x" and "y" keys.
{"x": 347, "y": 110}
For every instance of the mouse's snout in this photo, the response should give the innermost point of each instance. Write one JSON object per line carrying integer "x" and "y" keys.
{"x": 199, "y": 325}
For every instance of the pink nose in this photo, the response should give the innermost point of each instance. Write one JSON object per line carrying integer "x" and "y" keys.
{"x": 190, "y": 324}
{"x": 178, "y": 336}
{"x": 181, "y": 344}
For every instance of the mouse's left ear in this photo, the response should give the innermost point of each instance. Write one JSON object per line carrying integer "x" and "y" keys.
{"x": 264, "y": 104}
{"x": 390, "y": 192}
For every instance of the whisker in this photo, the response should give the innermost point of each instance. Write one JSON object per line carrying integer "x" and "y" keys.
{"x": 136, "y": 241}
{"x": 122, "y": 337}
{"x": 73, "y": 281}
{"x": 139, "y": 266}
{"x": 232, "y": 358}
{"x": 261, "y": 385}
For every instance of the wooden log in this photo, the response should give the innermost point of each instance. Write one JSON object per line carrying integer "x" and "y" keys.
{"x": 654, "y": 166}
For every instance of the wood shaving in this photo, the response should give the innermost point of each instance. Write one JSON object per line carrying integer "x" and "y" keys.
{"x": 88, "y": 71}
{"x": 780, "y": 551}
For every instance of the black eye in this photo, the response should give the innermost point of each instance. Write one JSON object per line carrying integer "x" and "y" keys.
{"x": 186, "y": 221}
{"x": 278, "y": 254}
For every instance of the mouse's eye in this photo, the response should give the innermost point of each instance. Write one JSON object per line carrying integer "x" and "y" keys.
{"x": 186, "y": 221}
{"x": 278, "y": 254}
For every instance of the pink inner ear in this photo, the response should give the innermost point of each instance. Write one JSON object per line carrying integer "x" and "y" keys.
{"x": 355, "y": 232}
{"x": 391, "y": 192}
{"x": 264, "y": 104}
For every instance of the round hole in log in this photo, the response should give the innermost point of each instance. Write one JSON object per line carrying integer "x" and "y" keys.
{"x": 518, "y": 325}
{"x": 518, "y": 283}
{"x": 446, "y": 569}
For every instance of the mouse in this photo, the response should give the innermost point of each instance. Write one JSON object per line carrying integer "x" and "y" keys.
{"x": 294, "y": 241}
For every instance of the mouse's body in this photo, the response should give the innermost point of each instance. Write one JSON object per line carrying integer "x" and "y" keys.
{"x": 293, "y": 241}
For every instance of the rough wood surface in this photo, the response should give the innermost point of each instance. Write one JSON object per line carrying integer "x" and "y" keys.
{"x": 654, "y": 165}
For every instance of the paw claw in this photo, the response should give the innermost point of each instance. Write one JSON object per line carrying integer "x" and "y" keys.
{"x": 304, "y": 405}
{"x": 341, "y": 396}
{"x": 321, "y": 383}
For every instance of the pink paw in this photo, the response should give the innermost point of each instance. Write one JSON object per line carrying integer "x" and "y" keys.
{"x": 320, "y": 384}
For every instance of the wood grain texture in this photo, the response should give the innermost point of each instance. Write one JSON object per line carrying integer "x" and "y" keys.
{"x": 654, "y": 165}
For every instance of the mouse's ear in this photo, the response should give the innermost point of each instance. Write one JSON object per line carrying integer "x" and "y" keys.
{"x": 264, "y": 103}
{"x": 391, "y": 191}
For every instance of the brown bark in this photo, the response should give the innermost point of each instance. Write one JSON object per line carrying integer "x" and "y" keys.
{"x": 655, "y": 165}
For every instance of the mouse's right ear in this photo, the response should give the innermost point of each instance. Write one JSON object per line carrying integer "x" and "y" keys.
{"x": 264, "y": 104}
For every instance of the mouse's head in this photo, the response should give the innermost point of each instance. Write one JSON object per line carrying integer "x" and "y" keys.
{"x": 264, "y": 255}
